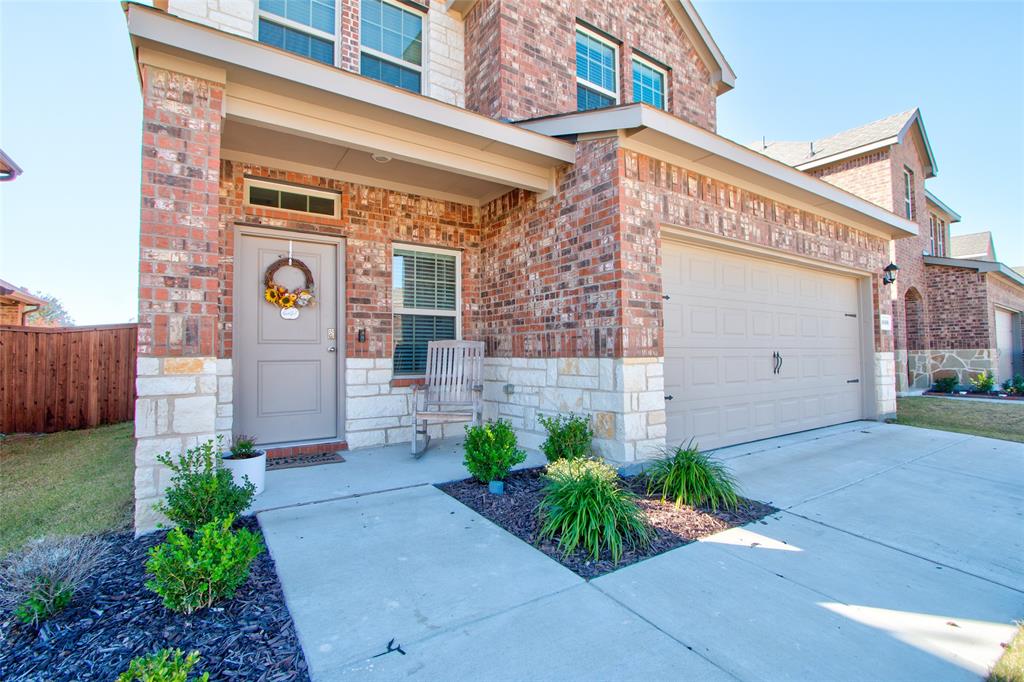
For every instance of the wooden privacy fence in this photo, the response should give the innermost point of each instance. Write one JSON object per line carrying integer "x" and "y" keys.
{"x": 59, "y": 378}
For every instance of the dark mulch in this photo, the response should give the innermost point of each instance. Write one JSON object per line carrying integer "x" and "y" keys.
{"x": 988, "y": 396}
{"x": 515, "y": 511}
{"x": 115, "y": 618}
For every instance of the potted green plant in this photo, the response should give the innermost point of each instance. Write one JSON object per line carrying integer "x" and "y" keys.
{"x": 491, "y": 452}
{"x": 245, "y": 461}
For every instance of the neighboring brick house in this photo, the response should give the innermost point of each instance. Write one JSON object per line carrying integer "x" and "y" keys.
{"x": 16, "y": 303}
{"x": 951, "y": 317}
{"x": 617, "y": 256}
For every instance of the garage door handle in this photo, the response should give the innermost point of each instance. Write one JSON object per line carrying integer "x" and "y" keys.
{"x": 668, "y": 397}
{"x": 780, "y": 364}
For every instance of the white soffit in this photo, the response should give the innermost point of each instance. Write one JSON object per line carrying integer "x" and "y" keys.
{"x": 267, "y": 86}
{"x": 663, "y": 136}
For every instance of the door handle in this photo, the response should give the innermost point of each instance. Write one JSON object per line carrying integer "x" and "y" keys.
{"x": 668, "y": 397}
{"x": 780, "y": 364}
{"x": 331, "y": 349}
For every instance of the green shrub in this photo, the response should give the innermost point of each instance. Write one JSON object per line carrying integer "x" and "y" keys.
{"x": 1014, "y": 386}
{"x": 946, "y": 384}
{"x": 165, "y": 665}
{"x": 41, "y": 581}
{"x": 585, "y": 506}
{"x": 202, "y": 490}
{"x": 687, "y": 476}
{"x": 491, "y": 451}
{"x": 194, "y": 572}
{"x": 984, "y": 382}
{"x": 244, "y": 447}
{"x": 569, "y": 437}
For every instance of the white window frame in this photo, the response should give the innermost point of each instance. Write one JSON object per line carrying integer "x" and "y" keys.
{"x": 942, "y": 239}
{"x": 302, "y": 28}
{"x": 664, "y": 78}
{"x": 932, "y": 226}
{"x": 424, "y": 40}
{"x": 908, "y": 192}
{"x": 615, "y": 62}
{"x": 294, "y": 189}
{"x": 398, "y": 309}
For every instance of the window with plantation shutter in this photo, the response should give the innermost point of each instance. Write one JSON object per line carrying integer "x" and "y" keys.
{"x": 426, "y": 290}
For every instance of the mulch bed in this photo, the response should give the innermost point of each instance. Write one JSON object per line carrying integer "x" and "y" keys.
{"x": 115, "y": 618}
{"x": 987, "y": 396}
{"x": 515, "y": 511}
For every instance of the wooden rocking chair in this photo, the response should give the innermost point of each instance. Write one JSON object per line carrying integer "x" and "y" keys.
{"x": 453, "y": 390}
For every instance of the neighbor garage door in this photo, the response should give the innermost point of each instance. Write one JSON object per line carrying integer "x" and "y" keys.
{"x": 727, "y": 315}
{"x": 1004, "y": 345}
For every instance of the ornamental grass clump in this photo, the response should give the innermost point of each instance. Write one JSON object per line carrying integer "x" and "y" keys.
{"x": 585, "y": 507}
{"x": 569, "y": 437}
{"x": 491, "y": 451}
{"x": 164, "y": 665}
{"x": 687, "y": 476}
{"x": 202, "y": 490}
{"x": 41, "y": 581}
{"x": 191, "y": 572}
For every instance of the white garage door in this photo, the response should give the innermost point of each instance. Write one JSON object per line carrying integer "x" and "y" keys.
{"x": 1004, "y": 344}
{"x": 755, "y": 348}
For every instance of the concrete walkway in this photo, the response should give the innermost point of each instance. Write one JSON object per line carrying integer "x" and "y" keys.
{"x": 897, "y": 555}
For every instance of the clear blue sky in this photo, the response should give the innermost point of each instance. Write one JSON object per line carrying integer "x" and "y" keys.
{"x": 70, "y": 116}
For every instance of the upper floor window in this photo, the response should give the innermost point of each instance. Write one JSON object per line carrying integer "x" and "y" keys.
{"x": 426, "y": 290}
{"x": 908, "y": 193}
{"x": 932, "y": 224}
{"x": 648, "y": 83}
{"x": 305, "y": 27}
{"x": 391, "y": 40}
{"x": 940, "y": 241}
{"x": 597, "y": 74}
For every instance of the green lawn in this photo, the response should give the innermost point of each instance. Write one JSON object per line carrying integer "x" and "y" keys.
{"x": 1010, "y": 668}
{"x": 994, "y": 420}
{"x": 66, "y": 483}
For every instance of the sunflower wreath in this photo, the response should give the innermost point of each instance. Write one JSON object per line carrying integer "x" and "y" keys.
{"x": 288, "y": 298}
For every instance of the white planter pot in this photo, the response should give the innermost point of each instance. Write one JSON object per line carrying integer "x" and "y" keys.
{"x": 253, "y": 468}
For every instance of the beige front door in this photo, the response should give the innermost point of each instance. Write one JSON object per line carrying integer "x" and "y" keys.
{"x": 1004, "y": 345}
{"x": 286, "y": 370}
{"x": 756, "y": 348}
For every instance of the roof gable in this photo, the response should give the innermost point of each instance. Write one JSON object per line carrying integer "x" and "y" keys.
{"x": 878, "y": 134}
{"x": 974, "y": 246}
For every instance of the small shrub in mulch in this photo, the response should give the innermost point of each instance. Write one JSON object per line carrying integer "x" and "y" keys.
{"x": 516, "y": 512}
{"x": 113, "y": 619}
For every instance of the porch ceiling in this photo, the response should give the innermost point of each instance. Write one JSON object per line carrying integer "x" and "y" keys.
{"x": 287, "y": 99}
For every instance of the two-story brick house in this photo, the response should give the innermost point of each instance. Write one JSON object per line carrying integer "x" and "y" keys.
{"x": 952, "y": 317}
{"x": 542, "y": 176}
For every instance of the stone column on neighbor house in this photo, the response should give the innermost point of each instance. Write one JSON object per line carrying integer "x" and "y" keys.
{"x": 184, "y": 391}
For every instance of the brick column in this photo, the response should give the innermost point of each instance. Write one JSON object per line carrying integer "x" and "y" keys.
{"x": 179, "y": 377}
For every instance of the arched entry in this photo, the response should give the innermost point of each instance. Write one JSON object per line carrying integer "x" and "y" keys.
{"x": 917, "y": 337}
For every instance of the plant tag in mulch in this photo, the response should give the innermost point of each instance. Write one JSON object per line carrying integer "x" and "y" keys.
{"x": 290, "y": 313}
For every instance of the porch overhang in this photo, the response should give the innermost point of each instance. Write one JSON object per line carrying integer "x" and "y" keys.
{"x": 653, "y": 132}
{"x": 980, "y": 266}
{"x": 282, "y": 108}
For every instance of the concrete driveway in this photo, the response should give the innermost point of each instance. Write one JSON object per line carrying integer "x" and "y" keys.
{"x": 898, "y": 555}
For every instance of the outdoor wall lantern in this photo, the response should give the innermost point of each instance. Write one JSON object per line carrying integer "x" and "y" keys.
{"x": 889, "y": 273}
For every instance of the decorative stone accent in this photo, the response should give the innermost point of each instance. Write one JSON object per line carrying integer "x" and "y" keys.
{"x": 232, "y": 16}
{"x": 885, "y": 385}
{"x": 964, "y": 364}
{"x": 622, "y": 396}
{"x": 446, "y": 47}
{"x": 182, "y": 402}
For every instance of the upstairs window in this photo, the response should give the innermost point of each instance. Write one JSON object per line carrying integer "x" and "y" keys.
{"x": 305, "y": 27}
{"x": 597, "y": 75}
{"x": 391, "y": 40}
{"x": 649, "y": 83}
{"x": 908, "y": 193}
{"x": 426, "y": 290}
{"x": 933, "y": 224}
{"x": 940, "y": 239}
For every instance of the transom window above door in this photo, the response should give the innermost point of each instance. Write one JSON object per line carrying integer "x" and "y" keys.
{"x": 426, "y": 290}
{"x": 305, "y": 27}
{"x": 391, "y": 42}
{"x": 597, "y": 74}
{"x": 648, "y": 83}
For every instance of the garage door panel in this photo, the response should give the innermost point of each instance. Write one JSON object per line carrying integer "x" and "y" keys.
{"x": 725, "y": 316}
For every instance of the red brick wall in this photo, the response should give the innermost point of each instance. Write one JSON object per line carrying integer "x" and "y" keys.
{"x": 521, "y": 56}
{"x": 868, "y": 176}
{"x": 551, "y": 269}
{"x": 348, "y": 34}
{"x": 371, "y": 219}
{"x": 178, "y": 261}
{"x": 961, "y": 296}
{"x": 656, "y": 193}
